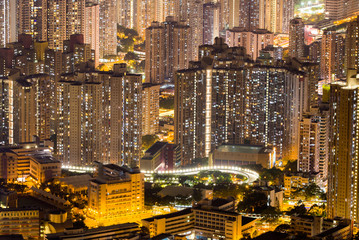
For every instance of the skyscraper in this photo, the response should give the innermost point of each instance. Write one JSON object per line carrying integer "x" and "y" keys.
{"x": 343, "y": 181}
{"x": 34, "y": 108}
{"x": 209, "y": 102}
{"x": 252, "y": 41}
{"x": 57, "y": 23}
{"x": 92, "y": 34}
{"x": 296, "y": 38}
{"x": 75, "y": 17}
{"x": 249, "y": 14}
{"x": 7, "y": 110}
{"x": 276, "y": 102}
{"x": 150, "y": 108}
{"x": 195, "y": 21}
{"x": 308, "y": 158}
{"x": 108, "y": 27}
{"x": 127, "y": 12}
{"x": 169, "y": 48}
{"x": 8, "y": 27}
{"x": 155, "y": 51}
{"x": 100, "y": 117}
{"x": 144, "y": 17}
{"x": 225, "y": 99}
{"x": 211, "y": 22}
{"x": 352, "y": 45}
{"x": 32, "y": 18}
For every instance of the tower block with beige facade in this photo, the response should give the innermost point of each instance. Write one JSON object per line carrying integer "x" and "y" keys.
{"x": 116, "y": 195}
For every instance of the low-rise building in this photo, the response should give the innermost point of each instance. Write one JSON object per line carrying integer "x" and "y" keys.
{"x": 212, "y": 218}
{"x": 115, "y": 194}
{"x": 119, "y": 231}
{"x": 294, "y": 181}
{"x": 275, "y": 196}
{"x": 28, "y": 160}
{"x": 8, "y": 199}
{"x": 150, "y": 108}
{"x": 76, "y": 184}
{"x": 241, "y": 155}
{"x": 311, "y": 226}
{"x": 341, "y": 232}
{"x": 44, "y": 167}
{"x": 159, "y": 157}
{"x": 21, "y": 221}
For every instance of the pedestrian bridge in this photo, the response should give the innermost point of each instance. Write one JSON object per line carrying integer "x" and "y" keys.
{"x": 250, "y": 174}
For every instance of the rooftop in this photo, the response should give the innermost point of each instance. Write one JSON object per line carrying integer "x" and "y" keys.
{"x": 170, "y": 215}
{"x": 155, "y": 148}
{"x": 250, "y": 149}
{"x": 85, "y": 234}
{"x": 272, "y": 236}
{"x": 77, "y": 181}
{"x": 44, "y": 158}
{"x": 246, "y": 220}
{"x": 331, "y": 231}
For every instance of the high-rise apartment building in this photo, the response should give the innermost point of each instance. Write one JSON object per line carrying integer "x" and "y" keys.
{"x": 273, "y": 19}
{"x": 8, "y": 25}
{"x": 296, "y": 38}
{"x": 7, "y": 109}
{"x": 205, "y": 115}
{"x": 342, "y": 198}
{"x": 332, "y": 56}
{"x": 155, "y": 49}
{"x": 56, "y": 18}
{"x": 32, "y": 18}
{"x": 211, "y": 22}
{"x": 100, "y": 117}
{"x": 168, "y": 47}
{"x": 233, "y": 7}
{"x": 144, "y": 17}
{"x": 150, "y": 108}
{"x": 249, "y": 14}
{"x": 308, "y": 158}
{"x": 336, "y": 10}
{"x": 34, "y": 108}
{"x": 323, "y": 116}
{"x": 195, "y": 21}
{"x": 223, "y": 99}
{"x": 116, "y": 194}
{"x": 352, "y": 45}
{"x": 276, "y": 102}
{"x": 252, "y": 41}
{"x": 75, "y": 17}
{"x": 108, "y": 27}
{"x": 127, "y": 12}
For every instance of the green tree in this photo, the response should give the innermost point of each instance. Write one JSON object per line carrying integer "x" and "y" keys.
{"x": 197, "y": 194}
{"x": 271, "y": 174}
{"x": 283, "y": 228}
{"x": 254, "y": 202}
{"x": 126, "y": 44}
{"x": 316, "y": 210}
{"x": 148, "y": 141}
{"x": 167, "y": 103}
{"x": 131, "y": 56}
{"x": 298, "y": 210}
{"x": 291, "y": 166}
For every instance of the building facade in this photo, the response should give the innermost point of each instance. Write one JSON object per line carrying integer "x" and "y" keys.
{"x": 116, "y": 194}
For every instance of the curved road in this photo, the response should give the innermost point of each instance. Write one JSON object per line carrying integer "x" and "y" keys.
{"x": 251, "y": 175}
